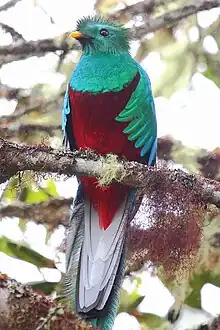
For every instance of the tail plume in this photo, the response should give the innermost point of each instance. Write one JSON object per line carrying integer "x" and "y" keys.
{"x": 95, "y": 260}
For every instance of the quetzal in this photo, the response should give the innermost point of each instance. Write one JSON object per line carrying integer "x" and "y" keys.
{"x": 108, "y": 107}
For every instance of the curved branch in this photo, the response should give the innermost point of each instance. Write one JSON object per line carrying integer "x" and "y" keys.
{"x": 9, "y": 4}
{"x": 107, "y": 169}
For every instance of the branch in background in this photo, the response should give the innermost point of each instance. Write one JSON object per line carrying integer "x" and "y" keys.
{"x": 22, "y": 308}
{"x": 53, "y": 212}
{"x": 107, "y": 169}
{"x": 139, "y": 8}
{"x": 15, "y": 35}
{"x": 210, "y": 165}
{"x": 9, "y": 4}
{"x": 165, "y": 20}
{"x": 15, "y": 52}
{"x": 14, "y": 130}
{"x": 40, "y": 47}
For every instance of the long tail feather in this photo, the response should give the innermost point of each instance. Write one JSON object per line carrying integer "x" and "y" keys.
{"x": 96, "y": 260}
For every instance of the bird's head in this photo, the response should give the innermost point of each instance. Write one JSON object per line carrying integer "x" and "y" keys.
{"x": 99, "y": 35}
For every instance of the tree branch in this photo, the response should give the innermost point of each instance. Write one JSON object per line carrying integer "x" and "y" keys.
{"x": 53, "y": 212}
{"x": 22, "y": 308}
{"x": 15, "y": 35}
{"x": 15, "y": 52}
{"x": 165, "y": 20}
{"x": 9, "y": 4}
{"x": 107, "y": 169}
{"x": 139, "y": 8}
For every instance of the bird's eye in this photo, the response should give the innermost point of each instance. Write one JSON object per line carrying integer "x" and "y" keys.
{"x": 104, "y": 32}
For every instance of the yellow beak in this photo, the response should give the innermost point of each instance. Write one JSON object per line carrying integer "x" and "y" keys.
{"x": 77, "y": 35}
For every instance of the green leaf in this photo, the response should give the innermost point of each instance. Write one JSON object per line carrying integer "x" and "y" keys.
{"x": 22, "y": 251}
{"x": 51, "y": 188}
{"x": 44, "y": 286}
{"x": 10, "y": 191}
{"x": 35, "y": 195}
{"x": 39, "y": 194}
{"x": 150, "y": 320}
{"x": 196, "y": 283}
{"x": 22, "y": 224}
{"x": 210, "y": 73}
{"x": 130, "y": 301}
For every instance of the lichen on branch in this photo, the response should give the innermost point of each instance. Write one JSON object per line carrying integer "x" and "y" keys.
{"x": 148, "y": 179}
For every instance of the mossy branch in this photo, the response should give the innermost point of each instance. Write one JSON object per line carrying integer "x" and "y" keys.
{"x": 15, "y": 158}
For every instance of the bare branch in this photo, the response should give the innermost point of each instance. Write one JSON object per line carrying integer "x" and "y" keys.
{"x": 53, "y": 212}
{"x": 9, "y": 4}
{"x": 15, "y": 52}
{"x": 22, "y": 308}
{"x": 106, "y": 169}
{"x": 167, "y": 19}
{"x": 15, "y": 35}
{"x": 139, "y": 8}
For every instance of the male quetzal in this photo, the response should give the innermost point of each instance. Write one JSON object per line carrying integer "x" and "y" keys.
{"x": 109, "y": 108}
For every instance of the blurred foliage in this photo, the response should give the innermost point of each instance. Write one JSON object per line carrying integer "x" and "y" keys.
{"x": 22, "y": 251}
{"x": 180, "y": 52}
{"x": 44, "y": 287}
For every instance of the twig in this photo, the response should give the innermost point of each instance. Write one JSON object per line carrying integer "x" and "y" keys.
{"x": 9, "y": 4}
{"x": 106, "y": 169}
{"x": 142, "y": 7}
{"x": 15, "y": 35}
{"x": 53, "y": 212}
{"x": 170, "y": 18}
{"x": 15, "y": 52}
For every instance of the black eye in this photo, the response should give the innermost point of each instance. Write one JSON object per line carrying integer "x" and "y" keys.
{"x": 104, "y": 32}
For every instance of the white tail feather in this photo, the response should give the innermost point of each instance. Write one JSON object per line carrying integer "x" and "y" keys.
{"x": 100, "y": 257}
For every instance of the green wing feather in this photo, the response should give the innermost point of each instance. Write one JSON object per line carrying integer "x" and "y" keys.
{"x": 140, "y": 115}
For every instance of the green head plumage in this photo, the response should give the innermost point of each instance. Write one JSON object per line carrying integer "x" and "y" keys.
{"x": 100, "y": 35}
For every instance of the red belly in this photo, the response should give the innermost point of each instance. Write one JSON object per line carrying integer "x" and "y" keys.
{"x": 95, "y": 127}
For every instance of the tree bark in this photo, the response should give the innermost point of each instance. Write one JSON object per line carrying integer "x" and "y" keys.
{"x": 107, "y": 170}
{"x": 23, "y": 309}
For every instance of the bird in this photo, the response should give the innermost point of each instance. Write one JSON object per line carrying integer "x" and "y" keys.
{"x": 108, "y": 108}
